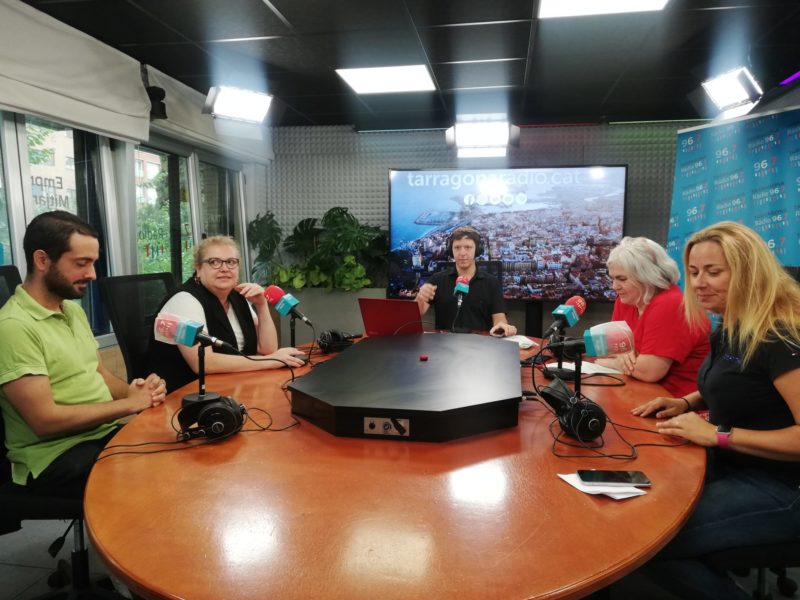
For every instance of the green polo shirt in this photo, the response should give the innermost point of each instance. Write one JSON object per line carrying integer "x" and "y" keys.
{"x": 60, "y": 345}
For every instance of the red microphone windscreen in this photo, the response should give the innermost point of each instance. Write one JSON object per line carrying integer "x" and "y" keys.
{"x": 273, "y": 294}
{"x": 578, "y": 303}
{"x": 462, "y": 279}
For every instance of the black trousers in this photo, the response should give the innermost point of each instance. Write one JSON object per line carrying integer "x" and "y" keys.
{"x": 66, "y": 476}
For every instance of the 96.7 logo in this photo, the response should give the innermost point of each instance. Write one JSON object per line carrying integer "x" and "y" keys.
{"x": 725, "y": 154}
{"x": 695, "y": 213}
{"x": 766, "y": 166}
{"x": 777, "y": 245}
{"x": 691, "y": 143}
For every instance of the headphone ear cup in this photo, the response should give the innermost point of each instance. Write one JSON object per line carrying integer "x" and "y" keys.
{"x": 324, "y": 341}
{"x": 585, "y": 420}
{"x": 214, "y": 419}
{"x": 187, "y": 416}
{"x": 333, "y": 340}
{"x": 220, "y": 419}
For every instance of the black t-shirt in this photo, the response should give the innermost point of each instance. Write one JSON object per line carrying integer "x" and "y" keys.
{"x": 747, "y": 398}
{"x": 484, "y": 299}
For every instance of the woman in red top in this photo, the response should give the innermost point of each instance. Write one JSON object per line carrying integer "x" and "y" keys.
{"x": 667, "y": 350}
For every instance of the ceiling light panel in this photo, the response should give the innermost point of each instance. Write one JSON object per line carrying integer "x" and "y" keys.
{"x": 549, "y": 9}
{"x": 387, "y": 80}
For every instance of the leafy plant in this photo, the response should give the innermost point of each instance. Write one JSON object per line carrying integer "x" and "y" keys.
{"x": 264, "y": 234}
{"x": 336, "y": 252}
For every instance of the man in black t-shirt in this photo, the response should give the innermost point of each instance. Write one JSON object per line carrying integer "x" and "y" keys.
{"x": 482, "y": 308}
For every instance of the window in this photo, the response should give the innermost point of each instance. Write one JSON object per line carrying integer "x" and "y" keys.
{"x": 64, "y": 175}
{"x": 51, "y": 180}
{"x": 164, "y": 233}
{"x": 219, "y": 201}
{"x": 5, "y": 234}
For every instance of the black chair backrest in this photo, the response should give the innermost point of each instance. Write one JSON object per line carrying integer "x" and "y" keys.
{"x": 132, "y": 302}
{"x": 9, "y": 280}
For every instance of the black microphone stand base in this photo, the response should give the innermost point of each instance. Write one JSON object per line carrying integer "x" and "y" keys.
{"x": 192, "y": 398}
{"x": 560, "y": 372}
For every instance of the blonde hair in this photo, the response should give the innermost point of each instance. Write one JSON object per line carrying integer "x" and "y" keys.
{"x": 763, "y": 300}
{"x": 647, "y": 263}
{"x": 214, "y": 240}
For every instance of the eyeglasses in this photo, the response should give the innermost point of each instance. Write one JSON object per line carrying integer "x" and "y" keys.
{"x": 216, "y": 263}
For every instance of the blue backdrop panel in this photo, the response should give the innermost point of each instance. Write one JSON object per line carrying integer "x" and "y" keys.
{"x": 747, "y": 171}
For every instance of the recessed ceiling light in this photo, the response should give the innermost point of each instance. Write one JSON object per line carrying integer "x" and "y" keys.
{"x": 386, "y": 80}
{"x": 237, "y": 104}
{"x": 576, "y": 8}
{"x": 482, "y": 134}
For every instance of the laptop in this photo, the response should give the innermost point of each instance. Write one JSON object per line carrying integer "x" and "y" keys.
{"x": 389, "y": 317}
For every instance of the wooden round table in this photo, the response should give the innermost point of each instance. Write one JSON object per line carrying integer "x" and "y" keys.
{"x": 301, "y": 513}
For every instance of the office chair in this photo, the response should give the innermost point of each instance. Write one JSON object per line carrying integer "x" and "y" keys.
{"x": 132, "y": 302}
{"x": 774, "y": 557}
{"x": 16, "y": 505}
{"x": 9, "y": 280}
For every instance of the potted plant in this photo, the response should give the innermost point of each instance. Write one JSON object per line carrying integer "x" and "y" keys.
{"x": 334, "y": 252}
{"x": 332, "y": 258}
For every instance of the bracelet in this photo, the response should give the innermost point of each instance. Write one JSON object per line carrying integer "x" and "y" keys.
{"x": 688, "y": 406}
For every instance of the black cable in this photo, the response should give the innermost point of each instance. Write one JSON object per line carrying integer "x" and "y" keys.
{"x": 618, "y": 382}
{"x": 593, "y": 448}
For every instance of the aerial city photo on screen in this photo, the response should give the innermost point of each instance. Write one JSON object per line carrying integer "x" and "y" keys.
{"x": 547, "y": 231}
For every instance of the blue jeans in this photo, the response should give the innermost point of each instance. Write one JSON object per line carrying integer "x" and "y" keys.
{"x": 738, "y": 507}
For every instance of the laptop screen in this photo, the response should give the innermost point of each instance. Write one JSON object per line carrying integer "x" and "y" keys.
{"x": 389, "y": 317}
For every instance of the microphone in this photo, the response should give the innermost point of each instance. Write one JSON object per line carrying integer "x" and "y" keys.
{"x": 285, "y": 303}
{"x": 566, "y": 315}
{"x": 601, "y": 340}
{"x": 174, "y": 330}
{"x": 461, "y": 289}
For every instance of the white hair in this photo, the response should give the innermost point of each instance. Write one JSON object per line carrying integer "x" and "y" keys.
{"x": 647, "y": 263}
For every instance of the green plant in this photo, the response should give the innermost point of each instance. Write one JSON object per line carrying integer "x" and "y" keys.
{"x": 335, "y": 251}
{"x": 264, "y": 235}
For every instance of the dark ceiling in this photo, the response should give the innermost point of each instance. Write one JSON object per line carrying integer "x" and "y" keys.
{"x": 485, "y": 55}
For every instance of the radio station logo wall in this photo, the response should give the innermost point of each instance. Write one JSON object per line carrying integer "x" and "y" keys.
{"x": 746, "y": 170}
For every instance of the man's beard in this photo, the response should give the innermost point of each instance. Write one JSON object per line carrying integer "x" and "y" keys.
{"x": 58, "y": 285}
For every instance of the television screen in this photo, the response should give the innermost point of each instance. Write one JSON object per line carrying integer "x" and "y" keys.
{"x": 547, "y": 231}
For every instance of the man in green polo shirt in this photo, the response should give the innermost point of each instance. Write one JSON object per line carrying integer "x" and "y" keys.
{"x": 60, "y": 405}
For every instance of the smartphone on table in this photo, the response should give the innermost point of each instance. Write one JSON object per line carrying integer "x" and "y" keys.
{"x": 618, "y": 478}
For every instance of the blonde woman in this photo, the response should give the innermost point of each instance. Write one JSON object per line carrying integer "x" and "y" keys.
{"x": 667, "y": 350}
{"x": 234, "y": 312}
{"x": 750, "y": 384}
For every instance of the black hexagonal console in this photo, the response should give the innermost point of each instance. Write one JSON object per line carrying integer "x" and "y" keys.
{"x": 385, "y": 387}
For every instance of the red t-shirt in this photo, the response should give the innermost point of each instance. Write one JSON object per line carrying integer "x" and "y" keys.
{"x": 662, "y": 330}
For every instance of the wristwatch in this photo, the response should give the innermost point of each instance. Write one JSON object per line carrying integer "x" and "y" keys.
{"x": 723, "y": 436}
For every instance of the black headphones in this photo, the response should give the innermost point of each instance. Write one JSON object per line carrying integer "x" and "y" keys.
{"x": 215, "y": 418}
{"x": 583, "y": 419}
{"x": 462, "y": 232}
{"x": 333, "y": 340}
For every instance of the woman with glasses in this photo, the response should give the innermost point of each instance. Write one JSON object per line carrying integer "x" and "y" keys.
{"x": 667, "y": 350}
{"x": 234, "y": 312}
